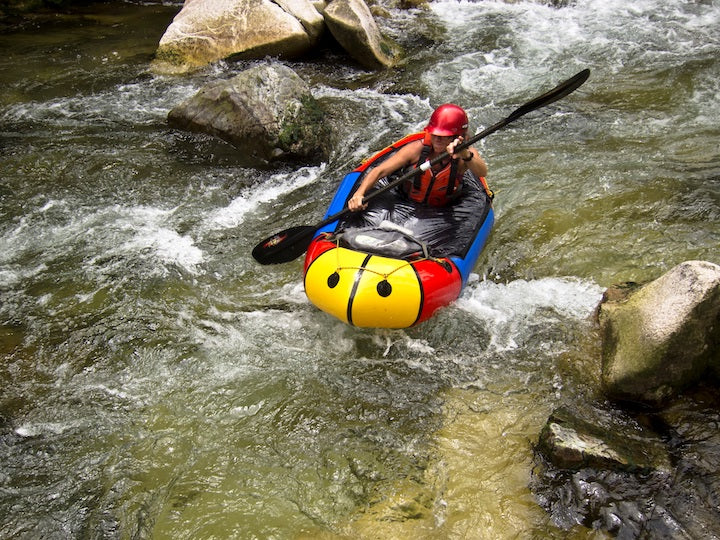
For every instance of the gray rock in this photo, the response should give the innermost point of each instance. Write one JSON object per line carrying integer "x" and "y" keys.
{"x": 267, "y": 111}
{"x": 661, "y": 338}
{"x": 352, "y": 24}
{"x": 570, "y": 442}
{"x": 205, "y": 31}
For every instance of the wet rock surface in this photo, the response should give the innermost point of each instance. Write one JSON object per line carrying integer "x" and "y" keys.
{"x": 571, "y": 442}
{"x": 674, "y": 498}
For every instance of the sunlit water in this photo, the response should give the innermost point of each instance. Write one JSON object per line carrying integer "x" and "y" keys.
{"x": 158, "y": 383}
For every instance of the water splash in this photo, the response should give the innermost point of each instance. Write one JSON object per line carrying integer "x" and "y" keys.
{"x": 252, "y": 198}
{"x": 509, "y": 310}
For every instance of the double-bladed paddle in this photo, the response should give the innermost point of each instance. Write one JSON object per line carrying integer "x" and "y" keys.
{"x": 290, "y": 243}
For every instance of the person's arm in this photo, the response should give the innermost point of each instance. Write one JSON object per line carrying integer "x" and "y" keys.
{"x": 408, "y": 154}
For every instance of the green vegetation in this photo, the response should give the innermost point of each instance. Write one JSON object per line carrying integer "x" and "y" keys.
{"x": 307, "y": 125}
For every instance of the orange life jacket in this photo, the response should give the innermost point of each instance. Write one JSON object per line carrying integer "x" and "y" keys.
{"x": 434, "y": 187}
{"x": 427, "y": 175}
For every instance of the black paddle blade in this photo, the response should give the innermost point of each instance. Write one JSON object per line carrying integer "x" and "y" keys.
{"x": 284, "y": 246}
{"x": 559, "y": 92}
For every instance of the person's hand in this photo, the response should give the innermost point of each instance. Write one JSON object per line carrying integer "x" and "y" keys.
{"x": 465, "y": 154}
{"x": 355, "y": 202}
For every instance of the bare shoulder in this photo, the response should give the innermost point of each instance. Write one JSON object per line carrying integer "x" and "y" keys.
{"x": 410, "y": 152}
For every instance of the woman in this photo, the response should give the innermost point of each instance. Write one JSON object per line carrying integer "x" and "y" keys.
{"x": 439, "y": 185}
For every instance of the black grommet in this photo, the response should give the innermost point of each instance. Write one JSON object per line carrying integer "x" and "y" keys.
{"x": 333, "y": 280}
{"x": 384, "y": 288}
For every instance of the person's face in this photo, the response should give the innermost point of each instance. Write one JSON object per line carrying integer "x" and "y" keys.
{"x": 440, "y": 142}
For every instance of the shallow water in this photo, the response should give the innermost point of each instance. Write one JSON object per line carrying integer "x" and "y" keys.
{"x": 156, "y": 382}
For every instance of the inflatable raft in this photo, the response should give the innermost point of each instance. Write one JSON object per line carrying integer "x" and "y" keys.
{"x": 396, "y": 263}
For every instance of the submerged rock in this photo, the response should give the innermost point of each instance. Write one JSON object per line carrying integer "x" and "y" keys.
{"x": 660, "y": 338}
{"x": 267, "y": 111}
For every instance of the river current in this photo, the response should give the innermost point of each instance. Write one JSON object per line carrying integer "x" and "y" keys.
{"x": 156, "y": 382}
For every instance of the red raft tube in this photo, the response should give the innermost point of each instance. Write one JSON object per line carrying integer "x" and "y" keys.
{"x": 396, "y": 263}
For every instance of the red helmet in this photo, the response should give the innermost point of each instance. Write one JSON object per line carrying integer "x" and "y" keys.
{"x": 446, "y": 120}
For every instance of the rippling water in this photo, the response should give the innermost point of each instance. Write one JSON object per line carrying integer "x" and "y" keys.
{"x": 156, "y": 382}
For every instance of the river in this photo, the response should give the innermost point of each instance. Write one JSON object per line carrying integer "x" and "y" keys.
{"x": 156, "y": 382}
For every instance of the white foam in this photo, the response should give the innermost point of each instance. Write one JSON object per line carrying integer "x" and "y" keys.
{"x": 568, "y": 296}
{"x": 136, "y": 232}
{"x": 139, "y": 103}
{"x": 510, "y": 309}
{"x": 168, "y": 246}
{"x": 277, "y": 185}
{"x": 543, "y": 43}
{"x": 45, "y": 428}
{"x": 248, "y": 410}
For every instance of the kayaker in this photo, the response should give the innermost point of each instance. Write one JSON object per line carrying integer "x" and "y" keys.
{"x": 441, "y": 184}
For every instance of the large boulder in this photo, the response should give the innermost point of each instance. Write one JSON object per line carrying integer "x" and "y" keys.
{"x": 266, "y": 111}
{"x": 205, "y": 31}
{"x": 661, "y": 338}
{"x": 352, "y": 24}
